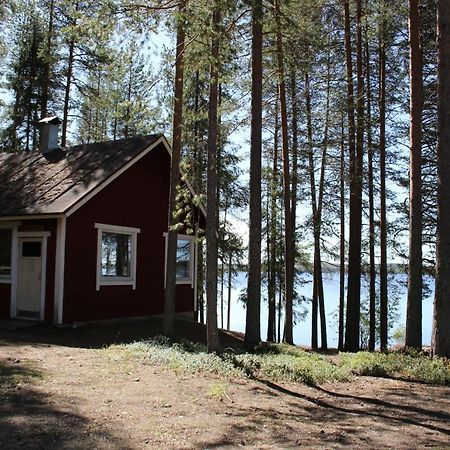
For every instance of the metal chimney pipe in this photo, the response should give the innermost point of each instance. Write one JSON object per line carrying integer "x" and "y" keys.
{"x": 49, "y": 134}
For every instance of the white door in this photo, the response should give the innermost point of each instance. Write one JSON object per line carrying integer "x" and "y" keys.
{"x": 29, "y": 277}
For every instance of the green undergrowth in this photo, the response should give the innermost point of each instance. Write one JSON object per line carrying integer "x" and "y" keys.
{"x": 276, "y": 363}
{"x": 412, "y": 366}
{"x": 279, "y": 362}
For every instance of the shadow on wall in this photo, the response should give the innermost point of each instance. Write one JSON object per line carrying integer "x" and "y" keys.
{"x": 31, "y": 419}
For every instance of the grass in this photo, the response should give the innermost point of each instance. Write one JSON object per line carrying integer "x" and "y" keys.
{"x": 412, "y": 366}
{"x": 13, "y": 374}
{"x": 279, "y": 362}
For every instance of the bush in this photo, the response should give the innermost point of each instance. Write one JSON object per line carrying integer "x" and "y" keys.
{"x": 413, "y": 366}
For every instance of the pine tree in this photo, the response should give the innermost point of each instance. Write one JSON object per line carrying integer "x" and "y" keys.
{"x": 252, "y": 327}
{"x": 26, "y": 79}
{"x": 441, "y": 316}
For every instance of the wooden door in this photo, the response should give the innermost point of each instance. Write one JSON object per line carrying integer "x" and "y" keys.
{"x": 29, "y": 277}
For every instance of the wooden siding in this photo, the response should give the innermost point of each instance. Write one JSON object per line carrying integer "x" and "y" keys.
{"x": 138, "y": 198}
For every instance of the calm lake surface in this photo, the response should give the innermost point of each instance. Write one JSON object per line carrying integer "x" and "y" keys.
{"x": 302, "y": 330}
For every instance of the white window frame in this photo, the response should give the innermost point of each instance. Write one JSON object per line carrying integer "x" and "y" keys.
{"x": 192, "y": 274}
{"x": 116, "y": 281}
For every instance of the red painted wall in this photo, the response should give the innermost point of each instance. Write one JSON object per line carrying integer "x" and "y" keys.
{"x": 137, "y": 198}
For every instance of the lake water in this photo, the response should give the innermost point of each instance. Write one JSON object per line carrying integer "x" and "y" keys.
{"x": 302, "y": 330}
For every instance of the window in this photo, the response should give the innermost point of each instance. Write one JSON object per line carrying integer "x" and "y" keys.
{"x": 185, "y": 259}
{"x": 116, "y": 255}
{"x": 5, "y": 252}
{"x": 31, "y": 249}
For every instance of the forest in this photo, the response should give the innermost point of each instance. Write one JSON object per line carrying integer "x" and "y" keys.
{"x": 323, "y": 124}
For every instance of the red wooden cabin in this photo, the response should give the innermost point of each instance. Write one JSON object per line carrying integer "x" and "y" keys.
{"x": 82, "y": 233}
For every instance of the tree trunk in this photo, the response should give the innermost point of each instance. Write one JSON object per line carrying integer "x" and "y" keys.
{"x": 272, "y": 283}
{"x": 169, "y": 303}
{"x": 289, "y": 232}
{"x": 67, "y": 93}
{"x": 441, "y": 316}
{"x": 230, "y": 282}
{"x": 48, "y": 56}
{"x": 372, "y": 269}
{"x": 413, "y": 336}
{"x": 321, "y": 297}
{"x": 212, "y": 332}
{"x": 353, "y": 288}
{"x": 312, "y": 181}
{"x": 383, "y": 225}
{"x": 252, "y": 324}
{"x": 342, "y": 243}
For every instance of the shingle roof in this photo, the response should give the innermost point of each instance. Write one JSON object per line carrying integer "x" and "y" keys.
{"x": 32, "y": 183}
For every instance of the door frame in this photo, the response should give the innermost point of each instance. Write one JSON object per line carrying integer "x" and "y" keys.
{"x": 43, "y": 236}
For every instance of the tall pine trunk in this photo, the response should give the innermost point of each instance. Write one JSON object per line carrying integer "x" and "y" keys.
{"x": 414, "y": 307}
{"x": 383, "y": 223}
{"x": 212, "y": 332}
{"x": 370, "y": 182}
{"x": 354, "y": 258}
{"x": 272, "y": 282}
{"x": 289, "y": 232}
{"x": 48, "y": 56}
{"x": 441, "y": 316}
{"x": 67, "y": 92}
{"x": 312, "y": 182}
{"x": 169, "y": 301}
{"x": 252, "y": 324}
{"x": 342, "y": 242}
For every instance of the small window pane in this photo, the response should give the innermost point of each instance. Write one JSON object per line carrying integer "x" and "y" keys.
{"x": 116, "y": 255}
{"x": 31, "y": 249}
{"x": 183, "y": 258}
{"x": 5, "y": 251}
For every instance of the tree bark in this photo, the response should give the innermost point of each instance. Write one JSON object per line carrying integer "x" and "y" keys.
{"x": 289, "y": 232}
{"x": 271, "y": 328}
{"x": 441, "y": 315}
{"x": 342, "y": 243}
{"x": 354, "y": 257}
{"x": 252, "y": 324}
{"x": 383, "y": 224}
{"x": 230, "y": 281}
{"x": 67, "y": 93}
{"x": 312, "y": 182}
{"x": 48, "y": 56}
{"x": 169, "y": 303}
{"x": 212, "y": 332}
{"x": 372, "y": 268}
{"x": 413, "y": 336}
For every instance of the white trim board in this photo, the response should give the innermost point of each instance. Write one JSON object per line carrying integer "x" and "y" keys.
{"x": 59, "y": 271}
{"x": 30, "y": 217}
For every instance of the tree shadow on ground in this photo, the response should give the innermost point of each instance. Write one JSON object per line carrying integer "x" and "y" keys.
{"x": 311, "y": 418}
{"x": 322, "y": 417}
{"x": 100, "y": 335}
{"x": 433, "y": 414}
{"x": 30, "y": 419}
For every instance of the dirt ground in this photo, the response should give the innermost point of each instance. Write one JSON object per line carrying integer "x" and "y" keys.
{"x": 60, "y": 389}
